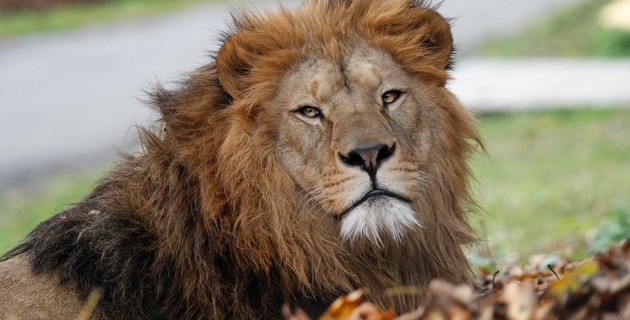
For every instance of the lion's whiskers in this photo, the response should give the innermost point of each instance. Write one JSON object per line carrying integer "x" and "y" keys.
{"x": 309, "y": 195}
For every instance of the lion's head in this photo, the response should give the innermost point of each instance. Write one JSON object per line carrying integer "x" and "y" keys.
{"x": 326, "y": 145}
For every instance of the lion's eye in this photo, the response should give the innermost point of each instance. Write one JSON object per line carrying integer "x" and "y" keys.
{"x": 310, "y": 112}
{"x": 390, "y": 97}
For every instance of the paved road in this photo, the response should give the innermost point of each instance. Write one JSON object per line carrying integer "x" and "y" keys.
{"x": 70, "y": 100}
{"x": 490, "y": 85}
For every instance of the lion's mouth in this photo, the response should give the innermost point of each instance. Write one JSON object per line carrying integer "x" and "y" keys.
{"x": 372, "y": 194}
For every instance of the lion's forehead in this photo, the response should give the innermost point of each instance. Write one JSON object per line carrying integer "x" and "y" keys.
{"x": 364, "y": 70}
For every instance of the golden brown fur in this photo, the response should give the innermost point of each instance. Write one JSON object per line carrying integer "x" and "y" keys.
{"x": 215, "y": 219}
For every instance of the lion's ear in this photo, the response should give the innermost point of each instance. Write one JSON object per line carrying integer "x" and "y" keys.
{"x": 233, "y": 65}
{"x": 259, "y": 51}
{"x": 438, "y": 40}
{"x": 415, "y": 35}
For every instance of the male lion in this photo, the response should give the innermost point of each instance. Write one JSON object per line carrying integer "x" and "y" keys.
{"x": 318, "y": 153}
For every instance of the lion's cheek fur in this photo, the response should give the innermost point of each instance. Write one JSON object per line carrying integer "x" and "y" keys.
{"x": 270, "y": 232}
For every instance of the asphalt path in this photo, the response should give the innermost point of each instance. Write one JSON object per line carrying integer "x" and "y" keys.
{"x": 70, "y": 101}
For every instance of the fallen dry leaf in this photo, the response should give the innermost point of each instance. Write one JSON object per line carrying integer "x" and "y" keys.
{"x": 597, "y": 288}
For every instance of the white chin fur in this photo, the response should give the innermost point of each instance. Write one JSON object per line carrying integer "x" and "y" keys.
{"x": 376, "y": 217}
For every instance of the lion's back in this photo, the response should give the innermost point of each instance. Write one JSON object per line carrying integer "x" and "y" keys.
{"x": 25, "y": 295}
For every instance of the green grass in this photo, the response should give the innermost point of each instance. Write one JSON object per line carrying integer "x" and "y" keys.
{"x": 21, "y": 211}
{"x": 574, "y": 32}
{"x": 550, "y": 180}
{"x": 68, "y": 17}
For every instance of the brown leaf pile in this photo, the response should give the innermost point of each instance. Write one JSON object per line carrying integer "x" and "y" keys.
{"x": 598, "y": 288}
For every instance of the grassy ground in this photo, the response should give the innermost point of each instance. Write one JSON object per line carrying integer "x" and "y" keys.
{"x": 574, "y": 32}
{"x": 67, "y": 17}
{"x": 550, "y": 179}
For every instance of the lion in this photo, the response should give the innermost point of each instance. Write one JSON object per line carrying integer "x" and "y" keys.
{"x": 318, "y": 152}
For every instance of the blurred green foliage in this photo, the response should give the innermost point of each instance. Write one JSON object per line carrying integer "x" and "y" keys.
{"x": 613, "y": 229}
{"x": 574, "y": 32}
{"x": 612, "y": 43}
{"x": 66, "y": 17}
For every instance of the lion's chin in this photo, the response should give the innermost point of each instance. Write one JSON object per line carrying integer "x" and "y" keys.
{"x": 378, "y": 218}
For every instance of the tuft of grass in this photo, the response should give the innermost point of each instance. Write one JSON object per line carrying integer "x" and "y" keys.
{"x": 13, "y": 24}
{"x": 574, "y": 32}
{"x": 88, "y": 308}
{"x": 550, "y": 177}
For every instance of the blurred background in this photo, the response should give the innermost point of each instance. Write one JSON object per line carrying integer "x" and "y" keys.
{"x": 549, "y": 81}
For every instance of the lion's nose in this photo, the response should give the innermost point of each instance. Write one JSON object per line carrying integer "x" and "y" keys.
{"x": 369, "y": 159}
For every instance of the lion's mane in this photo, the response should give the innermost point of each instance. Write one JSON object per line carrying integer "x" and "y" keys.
{"x": 203, "y": 223}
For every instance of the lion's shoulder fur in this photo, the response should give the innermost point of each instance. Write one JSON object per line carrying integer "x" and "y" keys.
{"x": 108, "y": 241}
{"x": 190, "y": 229}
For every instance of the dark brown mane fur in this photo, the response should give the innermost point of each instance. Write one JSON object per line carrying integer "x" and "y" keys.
{"x": 202, "y": 224}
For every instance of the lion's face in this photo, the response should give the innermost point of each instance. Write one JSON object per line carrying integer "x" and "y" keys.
{"x": 352, "y": 137}
{"x": 342, "y": 142}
